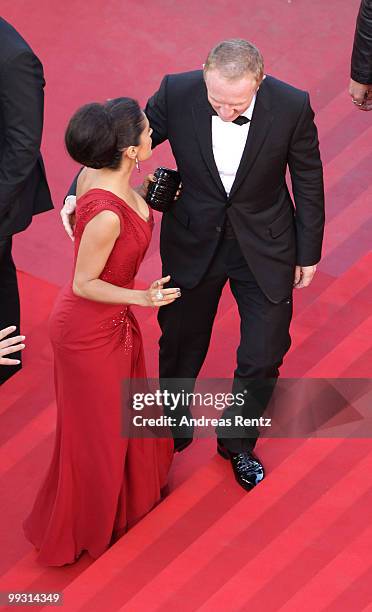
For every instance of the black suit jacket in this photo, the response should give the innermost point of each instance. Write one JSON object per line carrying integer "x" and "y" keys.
{"x": 273, "y": 234}
{"x": 23, "y": 186}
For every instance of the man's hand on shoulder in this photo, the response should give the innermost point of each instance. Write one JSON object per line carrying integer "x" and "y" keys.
{"x": 68, "y": 215}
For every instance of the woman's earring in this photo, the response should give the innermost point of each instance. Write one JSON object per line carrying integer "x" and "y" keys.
{"x": 137, "y": 165}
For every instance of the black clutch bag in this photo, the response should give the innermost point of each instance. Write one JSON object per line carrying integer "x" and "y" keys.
{"x": 160, "y": 195}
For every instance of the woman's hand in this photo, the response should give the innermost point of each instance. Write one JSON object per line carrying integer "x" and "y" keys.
{"x": 156, "y": 296}
{"x": 151, "y": 178}
{"x": 178, "y": 193}
{"x": 142, "y": 189}
{"x": 10, "y": 346}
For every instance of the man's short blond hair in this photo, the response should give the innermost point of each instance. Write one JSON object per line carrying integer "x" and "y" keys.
{"x": 235, "y": 58}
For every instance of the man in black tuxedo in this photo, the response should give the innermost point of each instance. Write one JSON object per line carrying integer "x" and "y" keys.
{"x": 235, "y": 221}
{"x": 23, "y": 186}
{"x": 233, "y": 132}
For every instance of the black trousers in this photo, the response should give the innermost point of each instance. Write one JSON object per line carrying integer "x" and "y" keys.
{"x": 9, "y": 301}
{"x": 186, "y": 327}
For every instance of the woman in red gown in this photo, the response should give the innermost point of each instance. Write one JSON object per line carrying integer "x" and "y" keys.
{"x": 100, "y": 483}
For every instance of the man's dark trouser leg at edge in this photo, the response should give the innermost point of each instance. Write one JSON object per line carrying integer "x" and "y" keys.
{"x": 9, "y": 300}
{"x": 186, "y": 326}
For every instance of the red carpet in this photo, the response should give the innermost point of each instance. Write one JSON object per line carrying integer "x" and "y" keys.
{"x": 302, "y": 539}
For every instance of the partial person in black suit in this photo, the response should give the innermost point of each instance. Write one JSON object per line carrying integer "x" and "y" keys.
{"x": 233, "y": 133}
{"x": 360, "y": 88}
{"x": 24, "y": 189}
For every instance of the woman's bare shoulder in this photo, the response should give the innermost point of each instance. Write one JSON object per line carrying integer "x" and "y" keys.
{"x": 83, "y": 181}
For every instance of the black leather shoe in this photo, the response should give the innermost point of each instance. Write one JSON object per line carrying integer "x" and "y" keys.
{"x": 247, "y": 468}
{"x": 181, "y": 443}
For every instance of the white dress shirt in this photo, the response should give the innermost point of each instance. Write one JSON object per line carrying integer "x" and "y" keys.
{"x": 228, "y": 142}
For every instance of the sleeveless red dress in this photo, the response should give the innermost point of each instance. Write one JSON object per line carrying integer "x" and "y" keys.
{"x": 99, "y": 483}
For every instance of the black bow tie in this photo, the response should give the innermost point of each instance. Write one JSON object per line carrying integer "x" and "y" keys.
{"x": 241, "y": 120}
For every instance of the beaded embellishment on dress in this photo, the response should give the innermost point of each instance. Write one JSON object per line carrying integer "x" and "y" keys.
{"x": 122, "y": 320}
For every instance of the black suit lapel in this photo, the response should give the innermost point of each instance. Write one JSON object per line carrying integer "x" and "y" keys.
{"x": 258, "y": 131}
{"x": 203, "y": 128}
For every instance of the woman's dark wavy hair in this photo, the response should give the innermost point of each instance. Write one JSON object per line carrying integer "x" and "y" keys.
{"x": 97, "y": 133}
